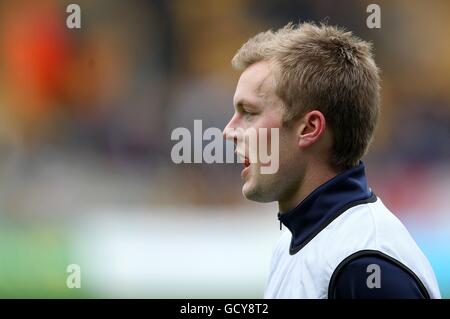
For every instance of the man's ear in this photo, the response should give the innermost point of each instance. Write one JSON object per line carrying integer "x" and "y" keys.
{"x": 311, "y": 128}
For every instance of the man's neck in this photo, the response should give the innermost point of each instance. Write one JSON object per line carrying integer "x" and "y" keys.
{"x": 314, "y": 177}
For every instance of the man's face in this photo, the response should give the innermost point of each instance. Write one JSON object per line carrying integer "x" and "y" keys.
{"x": 257, "y": 106}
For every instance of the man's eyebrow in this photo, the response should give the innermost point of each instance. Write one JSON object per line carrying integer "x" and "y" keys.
{"x": 243, "y": 102}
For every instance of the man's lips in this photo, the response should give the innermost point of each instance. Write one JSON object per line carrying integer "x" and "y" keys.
{"x": 246, "y": 169}
{"x": 245, "y": 159}
{"x": 246, "y": 162}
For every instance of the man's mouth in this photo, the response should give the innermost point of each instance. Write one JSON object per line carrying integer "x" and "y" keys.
{"x": 246, "y": 162}
{"x": 246, "y": 169}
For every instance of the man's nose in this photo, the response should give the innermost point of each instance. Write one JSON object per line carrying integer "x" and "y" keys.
{"x": 229, "y": 130}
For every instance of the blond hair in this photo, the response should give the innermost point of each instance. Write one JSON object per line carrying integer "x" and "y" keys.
{"x": 325, "y": 68}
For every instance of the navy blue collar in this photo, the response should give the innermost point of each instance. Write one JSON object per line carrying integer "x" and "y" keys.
{"x": 324, "y": 204}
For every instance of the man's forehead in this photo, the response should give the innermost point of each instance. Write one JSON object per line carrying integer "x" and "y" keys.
{"x": 257, "y": 81}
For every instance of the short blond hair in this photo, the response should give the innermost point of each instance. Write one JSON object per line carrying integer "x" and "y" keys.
{"x": 325, "y": 68}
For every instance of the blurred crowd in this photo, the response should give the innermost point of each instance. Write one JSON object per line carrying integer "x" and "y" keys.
{"x": 86, "y": 114}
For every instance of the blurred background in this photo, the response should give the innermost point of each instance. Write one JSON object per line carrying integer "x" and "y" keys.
{"x": 86, "y": 117}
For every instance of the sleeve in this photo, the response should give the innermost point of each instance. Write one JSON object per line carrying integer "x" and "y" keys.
{"x": 375, "y": 277}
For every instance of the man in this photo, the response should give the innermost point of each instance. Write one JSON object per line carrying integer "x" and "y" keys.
{"x": 319, "y": 86}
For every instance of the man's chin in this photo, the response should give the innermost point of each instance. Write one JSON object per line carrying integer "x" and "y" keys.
{"x": 253, "y": 193}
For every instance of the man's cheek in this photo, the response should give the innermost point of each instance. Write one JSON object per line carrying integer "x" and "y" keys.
{"x": 251, "y": 141}
{"x": 270, "y": 152}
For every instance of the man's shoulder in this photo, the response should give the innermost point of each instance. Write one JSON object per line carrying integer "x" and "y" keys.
{"x": 371, "y": 274}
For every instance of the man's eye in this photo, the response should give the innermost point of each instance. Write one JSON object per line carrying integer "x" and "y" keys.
{"x": 248, "y": 113}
